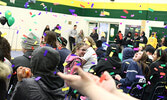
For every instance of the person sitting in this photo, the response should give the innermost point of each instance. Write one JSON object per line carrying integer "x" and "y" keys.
{"x": 90, "y": 57}
{"x": 63, "y": 51}
{"x": 136, "y": 68}
{"x": 28, "y": 46}
{"x": 44, "y": 84}
{"x": 158, "y": 71}
{"x": 150, "y": 51}
{"x": 110, "y": 62}
{"x": 100, "y": 50}
{"x": 5, "y": 74}
{"x": 128, "y": 54}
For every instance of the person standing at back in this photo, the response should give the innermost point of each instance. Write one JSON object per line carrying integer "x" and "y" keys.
{"x": 94, "y": 35}
{"x": 143, "y": 38}
{"x": 72, "y": 36}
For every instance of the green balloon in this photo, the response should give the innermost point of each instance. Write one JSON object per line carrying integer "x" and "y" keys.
{"x": 11, "y": 21}
{"x": 8, "y": 14}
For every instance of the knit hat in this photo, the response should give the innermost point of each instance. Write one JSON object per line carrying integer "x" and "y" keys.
{"x": 62, "y": 40}
{"x": 31, "y": 41}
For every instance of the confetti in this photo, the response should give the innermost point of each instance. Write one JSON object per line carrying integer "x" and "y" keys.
{"x": 17, "y": 31}
{"x": 39, "y": 13}
{"x": 9, "y": 76}
{"x": 161, "y": 96}
{"x": 128, "y": 87}
{"x": 91, "y": 70}
{"x": 155, "y": 18}
{"x": 155, "y": 69}
{"x": 105, "y": 59}
{"x": 82, "y": 6}
{"x": 132, "y": 15}
{"x": 12, "y": 66}
{"x": 139, "y": 76}
{"x": 92, "y": 5}
{"x": 138, "y": 86}
{"x": 125, "y": 11}
{"x": 35, "y": 42}
{"x": 102, "y": 78}
{"x": 33, "y": 15}
{"x": 111, "y": 54}
{"x": 32, "y": 48}
{"x": 149, "y": 82}
{"x": 94, "y": 46}
{"x": 37, "y": 78}
{"x": 150, "y": 9}
{"x": 144, "y": 85}
{"x": 165, "y": 27}
{"x": 26, "y": 5}
{"x": 163, "y": 65}
{"x": 65, "y": 89}
{"x": 87, "y": 42}
{"x": 140, "y": 12}
{"x": 75, "y": 91}
{"x": 93, "y": 62}
{"x": 34, "y": 37}
{"x": 162, "y": 74}
{"x": 30, "y": 13}
{"x": 112, "y": 73}
{"x": 136, "y": 49}
{"x": 151, "y": 77}
{"x": 45, "y": 52}
{"x": 0, "y": 13}
{"x": 55, "y": 3}
{"x": 2, "y": 35}
{"x": 30, "y": 29}
{"x": 65, "y": 63}
{"x": 123, "y": 16}
{"x": 130, "y": 46}
{"x": 79, "y": 64}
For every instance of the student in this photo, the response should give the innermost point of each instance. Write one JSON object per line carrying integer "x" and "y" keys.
{"x": 101, "y": 52}
{"x": 5, "y": 74}
{"x": 5, "y": 47}
{"x": 63, "y": 51}
{"x": 152, "y": 40}
{"x": 72, "y": 37}
{"x": 28, "y": 46}
{"x": 45, "y": 83}
{"x": 150, "y": 51}
{"x": 128, "y": 54}
{"x": 143, "y": 38}
{"x": 128, "y": 39}
{"x": 136, "y": 40}
{"x": 50, "y": 39}
{"x": 110, "y": 62}
{"x": 158, "y": 71}
{"x": 137, "y": 67}
{"x": 90, "y": 57}
{"x": 74, "y": 58}
{"x": 93, "y": 87}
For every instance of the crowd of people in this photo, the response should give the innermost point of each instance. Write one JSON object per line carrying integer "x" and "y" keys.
{"x": 48, "y": 70}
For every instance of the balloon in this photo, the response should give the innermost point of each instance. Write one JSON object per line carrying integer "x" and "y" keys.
{"x": 3, "y": 20}
{"x": 8, "y": 14}
{"x": 11, "y": 21}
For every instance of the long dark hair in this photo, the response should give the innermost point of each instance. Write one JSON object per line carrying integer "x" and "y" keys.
{"x": 144, "y": 66}
{"x": 51, "y": 38}
{"x": 5, "y": 47}
{"x": 162, "y": 55}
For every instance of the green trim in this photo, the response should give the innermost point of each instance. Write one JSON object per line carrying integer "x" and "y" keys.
{"x": 145, "y": 15}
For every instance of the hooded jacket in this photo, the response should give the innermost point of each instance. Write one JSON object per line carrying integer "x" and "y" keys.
{"x": 109, "y": 63}
{"x": 46, "y": 84}
{"x": 128, "y": 53}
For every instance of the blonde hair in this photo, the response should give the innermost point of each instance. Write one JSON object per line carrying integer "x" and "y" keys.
{"x": 91, "y": 41}
{"x": 77, "y": 46}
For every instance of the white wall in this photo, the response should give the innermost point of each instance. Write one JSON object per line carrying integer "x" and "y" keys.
{"x": 24, "y": 22}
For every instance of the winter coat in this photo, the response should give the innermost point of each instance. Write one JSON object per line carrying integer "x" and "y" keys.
{"x": 94, "y": 36}
{"x": 30, "y": 89}
{"x": 131, "y": 76}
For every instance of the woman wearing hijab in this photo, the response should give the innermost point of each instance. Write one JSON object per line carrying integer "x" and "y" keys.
{"x": 110, "y": 62}
{"x": 45, "y": 84}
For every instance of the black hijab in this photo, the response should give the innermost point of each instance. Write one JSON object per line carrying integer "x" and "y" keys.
{"x": 44, "y": 64}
